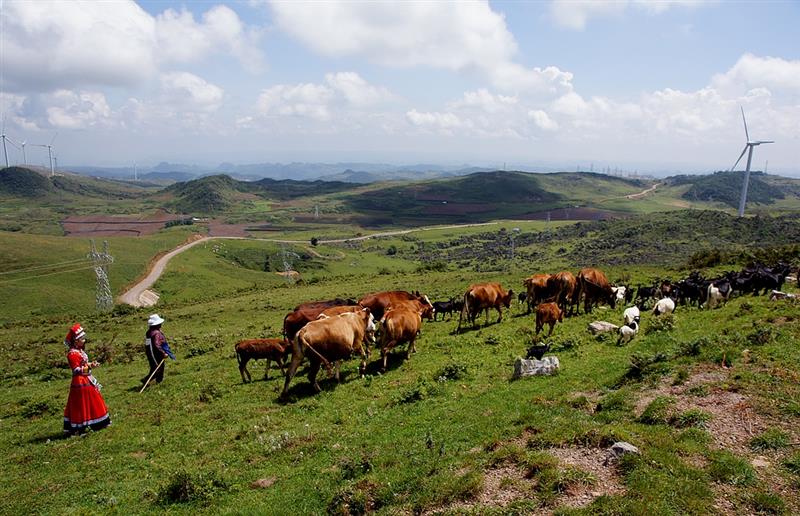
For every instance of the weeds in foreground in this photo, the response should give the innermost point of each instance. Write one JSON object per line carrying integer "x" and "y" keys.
{"x": 727, "y": 468}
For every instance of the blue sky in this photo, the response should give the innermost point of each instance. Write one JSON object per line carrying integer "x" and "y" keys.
{"x": 631, "y": 84}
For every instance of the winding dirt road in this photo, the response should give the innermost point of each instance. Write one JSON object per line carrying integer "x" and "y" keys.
{"x": 140, "y": 295}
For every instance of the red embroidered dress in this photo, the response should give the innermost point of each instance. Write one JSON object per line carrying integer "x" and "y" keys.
{"x": 85, "y": 406}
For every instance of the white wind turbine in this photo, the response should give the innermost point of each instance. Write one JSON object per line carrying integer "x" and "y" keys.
{"x": 748, "y": 147}
{"x": 49, "y": 153}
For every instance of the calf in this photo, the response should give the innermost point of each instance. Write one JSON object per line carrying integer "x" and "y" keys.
{"x": 627, "y": 332}
{"x": 254, "y": 349}
{"x": 548, "y": 313}
{"x": 664, "y": 306}
{"x": 444, "y": 307}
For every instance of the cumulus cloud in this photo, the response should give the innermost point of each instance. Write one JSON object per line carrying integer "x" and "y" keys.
{"x": 575, "y": 14}
{"x": 191, "y": 91}
{"x": 51, "y": 45}
{"x": 458, "y": 36}
{"x": 445, "y": 123}
{"x": 71, "y": 110}
{"x": 542, "y": 120}
{"x": 317, "y": 101}
{"x": 772, "y": 73}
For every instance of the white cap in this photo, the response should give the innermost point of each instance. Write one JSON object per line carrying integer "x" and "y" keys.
{"x": 154, "y": 320}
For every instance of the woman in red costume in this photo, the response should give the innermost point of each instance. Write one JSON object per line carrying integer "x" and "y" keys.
{"x": 85, "y": 406}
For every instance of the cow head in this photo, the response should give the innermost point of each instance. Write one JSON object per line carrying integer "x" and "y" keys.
{"x": 369, "y": 333}
{"x": 507, "y": 299}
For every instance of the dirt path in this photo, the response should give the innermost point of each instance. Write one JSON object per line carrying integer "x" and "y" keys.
{"x": 140, "y": 295}
{"x": 643, "y": 192}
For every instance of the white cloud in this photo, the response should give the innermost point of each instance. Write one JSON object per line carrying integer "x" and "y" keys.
{"x": 459, "y": 36}
{"x": 188, "y": 90}
{"x": 303, "y": 100}
{"x": 356, "y": 90}
{"x": 542, "y": 120}
{"x": 575, "y": 14}
{"x": 70, "y": 110}
{"x": 444, "y": 123}
{"x": 51, "y": 45}
{"x": 483, "y": 100}
{"x": 750, "y": 72}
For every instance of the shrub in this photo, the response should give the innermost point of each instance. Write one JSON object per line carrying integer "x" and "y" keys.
{"x": 727, "y": 468}
{"x": 452, "y": 371}
{"x": 761, "y": 336}
{"x": 392, "y": 250}
{"x": 793, "y": 463}
{"x": 660, "y": 324}
{"x": 352, "y": 500}
{"x": 658, "y": 411}
{"x": 354, "y": 468}
{"x": 34, "y": 409}
{"x": 766, "y": 502}
{"x": 681, "y": 376}
{"x": 643, "y": 364}
{"x": 183, "y": 487}
{"x": 772, "y": 439}
{"x": 615, "y": 401}
{"x": 692, "y": 418}
{"x": 121, "y": 310}
{"x": 209, "y": 392}
{"x": 421, "y": 390}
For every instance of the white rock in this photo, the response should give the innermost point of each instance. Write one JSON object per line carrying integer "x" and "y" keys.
{"x": 602, "y": 327}
{"x": 546, "y": 366}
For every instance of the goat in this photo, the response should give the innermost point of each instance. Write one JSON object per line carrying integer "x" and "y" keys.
{"x": 631, "y": 314}
{"x": 627, "y": 332}
{"x": 664, "y": 306}
{"x": 253, "y": 349}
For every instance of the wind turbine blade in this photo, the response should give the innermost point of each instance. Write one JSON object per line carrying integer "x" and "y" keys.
{"x": 740, "y": 158}
{"x": 54, "y": 136}
{"x": 747, "y": 135}
{"x": 759, "y": 142}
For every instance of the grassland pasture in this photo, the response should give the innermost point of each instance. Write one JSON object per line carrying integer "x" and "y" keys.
{"x": 709, "y": 397}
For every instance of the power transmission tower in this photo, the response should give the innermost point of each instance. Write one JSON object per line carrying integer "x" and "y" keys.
{"x": 286, "y": 257}
{"x": 316, "y": 211}
{"x": 103, "y": 300}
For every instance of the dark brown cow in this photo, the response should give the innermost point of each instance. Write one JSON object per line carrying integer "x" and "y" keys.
{"x": 593, "y": 285}
{"x": 548, "y": 313}
{"x": 307, "y": 312}
{"x": 254, "y": 349}
{"x": 336, "y": 310}
{"x": 399, "y": 326}
{"x": 328, "y": 340}
{"x": 537, "y": 288}
{"x": 562, "y": 286}
{"x": 484, "y": 296}
{"x": 379, "y": 302}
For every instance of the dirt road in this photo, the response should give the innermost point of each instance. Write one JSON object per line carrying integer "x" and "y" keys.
{"x": 140, "y": 294}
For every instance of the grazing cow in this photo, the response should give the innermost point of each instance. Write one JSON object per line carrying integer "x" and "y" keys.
{"x": 664, "y": 306}
{"x": 379, "y": 302}
{"x": 536, "y": 289}
{"x": 329, "y": 340}
{"x": 627, "y": 332}
{"x": 399, "y": 326}
{"x": 484, "y": 296}
{"x": 254, "y": 349}
{"x": 631, "y": 314}
{"x": 307, "y": 312}
{"x": 562, "y": 287}
{"x": 548, "y": 313}
{"x": 595, "y": 288}
{"x": 336, "y": 310}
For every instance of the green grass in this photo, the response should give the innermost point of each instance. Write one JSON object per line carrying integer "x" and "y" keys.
{"x": 417, "y": 438}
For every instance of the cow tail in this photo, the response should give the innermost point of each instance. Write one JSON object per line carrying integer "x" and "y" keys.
{"x": 238, "y": 357}
{"x": 285, "y": 336}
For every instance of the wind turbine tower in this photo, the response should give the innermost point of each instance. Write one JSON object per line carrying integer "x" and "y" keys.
{"x": 748, "y": 148}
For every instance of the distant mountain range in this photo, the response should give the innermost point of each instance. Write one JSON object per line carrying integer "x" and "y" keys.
{"x": 346, "y": 172}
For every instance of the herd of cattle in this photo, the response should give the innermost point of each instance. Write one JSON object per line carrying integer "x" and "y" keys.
{"x": 327, "y": 332}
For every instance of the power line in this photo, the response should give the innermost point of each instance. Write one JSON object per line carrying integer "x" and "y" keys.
{"x": 48, "y": 266}
{"x": 48, "y": 274}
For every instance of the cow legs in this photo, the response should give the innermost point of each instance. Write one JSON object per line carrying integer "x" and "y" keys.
{"x": 243, "y": 369}
{"x": 385, "y": 352}
{"x": 499, "y": 314}
{"x": 552, "y": 325}
{"x": 297, "y": 357}
{"x": 338, "y": 367}
{"x": 412, "y": 347}
{"x": 266, "y": 371}
{"x": 313, "y": 369}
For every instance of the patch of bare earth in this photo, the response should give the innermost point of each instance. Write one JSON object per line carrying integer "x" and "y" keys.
{"x": 734, "y": 423}
{"x": 591, "y": 460}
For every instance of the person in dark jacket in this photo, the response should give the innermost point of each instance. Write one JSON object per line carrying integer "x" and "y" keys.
{"x": 156, "y": 348}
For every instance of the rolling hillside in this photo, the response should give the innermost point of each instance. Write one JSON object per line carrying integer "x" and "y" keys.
{"x": 726, "y": 187}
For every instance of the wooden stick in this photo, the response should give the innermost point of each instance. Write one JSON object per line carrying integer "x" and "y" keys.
{"x": 151, "y": 375}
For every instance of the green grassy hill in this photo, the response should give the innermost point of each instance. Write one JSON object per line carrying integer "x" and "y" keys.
{"x": 23, "y": 182}
{"x": 726, "y": 187}
{"x": 709, "y": 397}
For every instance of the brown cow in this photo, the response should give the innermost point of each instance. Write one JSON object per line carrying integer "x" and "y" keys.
{"x": 399, "y": 326}
{"x": 254, "y": 349}
{"x": 379, "y": 302}
{"x": 484, "y": 296}
{"x": 548, "y": 313}
{"x": 562, "y": 286}
{"x": 307, "y": 312}
{"x": 537, "y": 288}
{"x": 593, "y": 285}
{"x": 328, "y": 340}
{"x": 336, "y": 310}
